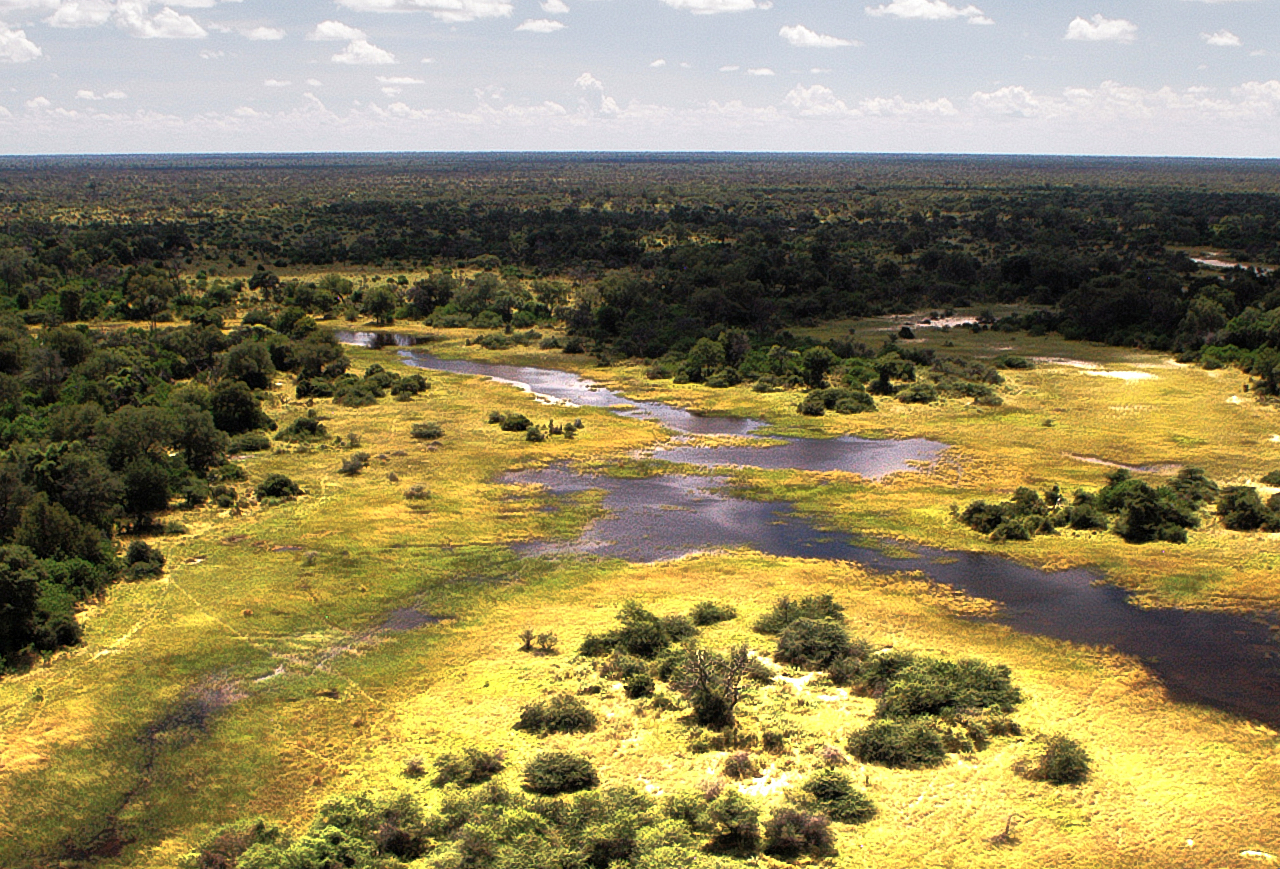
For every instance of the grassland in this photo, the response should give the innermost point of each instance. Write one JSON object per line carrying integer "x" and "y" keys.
{"x": 274, "y": 663}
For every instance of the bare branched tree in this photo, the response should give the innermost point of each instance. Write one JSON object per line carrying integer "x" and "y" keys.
{"x": 713, "y": 684}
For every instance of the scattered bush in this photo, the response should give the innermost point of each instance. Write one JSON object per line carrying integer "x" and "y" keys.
{"x": 427, "y": 431}
{"x": 354, "y": 464}
{"x": 638, "y": 685}
{"x": 642, "y": 634}
{"x": 785, "y": 611}
{"x": 735, "y": 823}
{"x": 471, "y": 767}
{"x": 144, "y": 559}
{"x": 812, "y": 644}
{"x": 563, "y": 713}
{"x": 898, "y": 744}
{"x": 741, "y": 765}
{"x": 709, "y": 613}
{"x": 1063, "y": 762}
{"x": 1272, "y": 478}
{"x": 303, "y": 429}
{"x": 790, "y": 832}
{"x": 559, "y": 772}
{"x": 277, "y": 486}
{"x": 932, "y": 686}
{"x": 249, "y": 442}
{"x": 835, "y": 793}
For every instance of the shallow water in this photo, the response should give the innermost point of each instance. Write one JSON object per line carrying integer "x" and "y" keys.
{"x": 1222, "y": 660}
{"x": 1218, "y": 659}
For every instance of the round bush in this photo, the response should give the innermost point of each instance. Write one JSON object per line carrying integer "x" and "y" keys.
{"x": 740, "y": 766}
{"x": 563, "y": 713}
{"x": 1064, "y": 762}
{"x": 838, "y": 797}
{"x": 277, "y": 486}
{"x": 812, "y": 644}
{"x": 427, "y": 431}
{"x": 790, "y": 832}
{"x": 559, "y": 772}
{"x": 898, "y": 744}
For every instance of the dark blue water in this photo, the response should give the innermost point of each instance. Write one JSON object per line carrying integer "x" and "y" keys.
{"x": 1222, "y": 660}
{"x": 1219, "y": 659}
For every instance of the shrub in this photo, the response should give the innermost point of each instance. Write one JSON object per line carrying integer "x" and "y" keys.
{"x": 144, "y": 560}
{"x": 427, "y": 431}
{"x": 1271, "y": 479}
{"x": 879, "y": 670}
{"x": 709, "y": 613}
{"x": 845, "y": 670}
{"x": 790, "y": 833}
{"x": 471, "y": 767}
{"x": 559, "y": 772}
{"x": 249, "y": 442}
{"x": 712, "y": 684}
{"x": 354, "y": 464}
{"x": 931, "y": 686}
{"x": 785, "y": 611}
{"x": 621, "y": 666}
{"x": 898, "y": 744}
{"x": 277, "y": 486}
{"x": 302, "y": 429}
{"x": 642, "y": 634}
{"x": 1064, "y": 761}
{"x": 741, "y": 765}
{"x": 563, "y": 713}
{"x": 918, "y": 393}
{"x": 223, "y": 849}
{"x": 735, "y": 823}
{"x": 1242, "y": 510}
{"x": 638, "y": 685}
{"x": 837, "y": 796}
{"x": 513, "y": 422}
{"x": 812, "y": 644}
{"x": 1013, "y": 362}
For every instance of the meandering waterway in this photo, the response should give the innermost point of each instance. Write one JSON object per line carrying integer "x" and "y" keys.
{"x": 1223, "y": 660}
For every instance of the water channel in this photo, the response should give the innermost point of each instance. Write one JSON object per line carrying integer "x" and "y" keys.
{"x": 1223, "y": 660}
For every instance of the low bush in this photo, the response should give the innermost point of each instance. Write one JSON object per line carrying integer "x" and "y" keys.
{"x": 563, "y": 713}
{"x": 932, "y": 686}
{"x": 249, "y": 442}
{"x": 790, "y": 833}
{"x": 741, "y": 765}
{"x": 785, "y": 611}
{"x": 303, "y": 429}
{"x": 709, "y": 613}
{"x": 834, "y": 792}
{"x": 143, "y": 559}
{"x": 812, "y": 644}
{"x": 427, "y": 431}
{"x": 642, "y": 634}
{"x": 277, "y": 486}
{"x": 354, "y": 464}
{"x": 559, "y": 772}
{"x": 470, "y": 767}
{"x": 735, "y": 823}
{"x": 898, "y": 744}
{"x": 1064, "y": 761}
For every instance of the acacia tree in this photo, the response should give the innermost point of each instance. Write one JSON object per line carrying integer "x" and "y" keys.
{"x": 712, "y": 683}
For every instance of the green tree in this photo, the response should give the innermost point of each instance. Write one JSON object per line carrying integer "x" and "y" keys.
{"x": 20, "y": 578}
{"x": 815, "y": 363}
{"x": 146, "y": 490}
{"x": 380, "y": 303}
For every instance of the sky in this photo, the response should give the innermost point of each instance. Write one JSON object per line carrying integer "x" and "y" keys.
{"x": 1111, "y": 77}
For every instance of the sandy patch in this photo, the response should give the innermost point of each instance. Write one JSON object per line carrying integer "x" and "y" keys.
{"x": 1235, "y": 399}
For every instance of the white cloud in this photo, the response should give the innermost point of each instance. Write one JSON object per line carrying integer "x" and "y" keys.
{"x": 1223, "y": 38}
{"x": 802, "y": 37}
{"x": 929, "y": 10}
{"x": 276, "y": 83}
{"x": 109, "y": 95}
{"x": 885, "y": 106}
{"x": 587, "y": 82}
{"x": 263, "y": 34}
{"x": 38, "y": 103}
{"x": 362, "y": 52}
{"x": 760, "y": 71}
{"x": 335, "y": 30}
{"x": 730, "y": 68}
{"x": 445, "y": 10}
{"x": 313, "y": 82}
{"x": 81, "y": 13}
{"x": 210, "y": 54}
{"x": 541, "y": 25}
{"x": 1102, "y": 30}
{"x": 714, "y": 7}
{"x": 131, "y": 16}
{"x": 554, "y": 7}
{"x": 15, "y": 47}
{"x": 815, "y": 100}
{"x": 658, "y": 63}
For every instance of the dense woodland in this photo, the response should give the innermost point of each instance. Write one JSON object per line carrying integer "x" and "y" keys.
{"x": 222, "y": 268}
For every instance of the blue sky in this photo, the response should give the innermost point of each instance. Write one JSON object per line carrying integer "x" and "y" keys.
{"x": 1151, "y": 77}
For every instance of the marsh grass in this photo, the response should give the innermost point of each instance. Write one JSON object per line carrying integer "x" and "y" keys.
{"x": 286, "y": 605}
